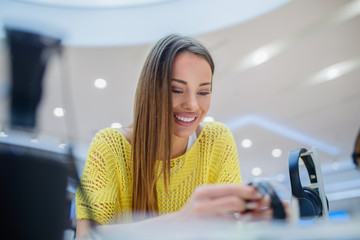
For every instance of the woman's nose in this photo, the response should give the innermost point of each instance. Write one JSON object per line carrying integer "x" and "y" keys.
{"x": 190, "y": 102}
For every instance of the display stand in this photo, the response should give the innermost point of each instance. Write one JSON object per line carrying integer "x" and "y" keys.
{"x": 319, "y": 185}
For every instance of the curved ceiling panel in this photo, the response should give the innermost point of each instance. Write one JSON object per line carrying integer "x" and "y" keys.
{"x": 139, "y": 24}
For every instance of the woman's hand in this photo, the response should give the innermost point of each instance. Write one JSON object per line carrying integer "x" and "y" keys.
{"x": 228, "y": 201}
{"x": 263, "y": 211}
{"x": 222, "y": 200}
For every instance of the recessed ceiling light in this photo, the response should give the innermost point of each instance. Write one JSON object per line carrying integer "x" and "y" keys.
{"x": 333, "y": 73}
{"x": 3, "y": 134}
{"x": 100, "y": 83}
{"x": 59, "y": 112}
{"x": 256, "y": 171}
{"x": 276, "y": 153}
{"x": 116, "y": 125}
{"x": 260, "y": 57}
{"x": 34, "y": 140}
{"x": 246, "y": 143}
{"x": 208, "y": 119}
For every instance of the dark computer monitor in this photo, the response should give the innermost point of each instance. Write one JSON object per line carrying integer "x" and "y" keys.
{"x": 33, "y": 192}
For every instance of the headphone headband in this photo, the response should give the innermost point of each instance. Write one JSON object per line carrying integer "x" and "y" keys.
{"x": 296, "y": 187}
{"x": 311, "y": 199}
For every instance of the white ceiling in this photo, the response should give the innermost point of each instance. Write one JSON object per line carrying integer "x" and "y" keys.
{"x": 275, "y": 104}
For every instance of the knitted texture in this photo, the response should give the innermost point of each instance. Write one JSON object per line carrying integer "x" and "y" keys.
{"x": 107, "y": 176}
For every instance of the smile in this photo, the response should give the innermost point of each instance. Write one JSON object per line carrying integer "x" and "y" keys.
{"x": 184, "y": 119}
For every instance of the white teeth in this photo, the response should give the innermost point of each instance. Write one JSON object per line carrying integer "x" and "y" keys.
{"x": 184, "y": 119}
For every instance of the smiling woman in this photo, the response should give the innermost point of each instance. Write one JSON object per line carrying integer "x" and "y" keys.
{"x": 150, "y": 168}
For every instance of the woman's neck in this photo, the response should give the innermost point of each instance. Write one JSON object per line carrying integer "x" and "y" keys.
{"x": 179, "y": 145}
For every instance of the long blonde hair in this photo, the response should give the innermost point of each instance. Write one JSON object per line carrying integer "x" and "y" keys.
{"x": 153, "y": 119}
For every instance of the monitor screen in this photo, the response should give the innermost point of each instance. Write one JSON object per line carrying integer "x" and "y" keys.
{"x": 33, "y": 184}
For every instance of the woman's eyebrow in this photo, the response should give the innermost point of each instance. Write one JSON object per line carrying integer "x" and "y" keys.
{"x": 179, "y": 81}
{"x": 185, "y": 83}
{"x": 205, "y": 83}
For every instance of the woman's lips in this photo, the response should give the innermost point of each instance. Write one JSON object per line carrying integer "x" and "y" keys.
{"x": 185, "y": 119}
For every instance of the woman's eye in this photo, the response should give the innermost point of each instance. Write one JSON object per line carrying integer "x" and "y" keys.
{"x": 204, "y": 93}
{"x": 176, "y": 91}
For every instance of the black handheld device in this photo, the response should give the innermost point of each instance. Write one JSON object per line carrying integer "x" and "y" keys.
{"x": 266, "y": 189}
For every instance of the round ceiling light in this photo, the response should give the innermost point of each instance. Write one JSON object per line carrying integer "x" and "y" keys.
{"x": 246, "y": 143}
{"x": 100, "y": 83}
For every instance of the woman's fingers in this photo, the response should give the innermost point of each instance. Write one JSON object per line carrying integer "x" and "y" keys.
{"x": 219, "y": 200}
{"x": 263, "y": 211}
{"x": 244, "y": 192}
{"x": 221, "y": 206}
{"x": 222, "y": 200}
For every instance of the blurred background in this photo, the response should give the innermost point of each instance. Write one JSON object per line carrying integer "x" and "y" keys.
{"x": 287, "y": 75}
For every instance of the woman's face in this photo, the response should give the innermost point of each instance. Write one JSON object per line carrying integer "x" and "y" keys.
{"x": 191, "y": 81}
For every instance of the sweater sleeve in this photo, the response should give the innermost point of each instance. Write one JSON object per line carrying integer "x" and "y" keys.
{"x": 227, "y": 157}
{"x": 98, "y": 197}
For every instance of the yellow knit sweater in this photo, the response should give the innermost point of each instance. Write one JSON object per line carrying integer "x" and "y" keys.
{"x": 107, "y": 176}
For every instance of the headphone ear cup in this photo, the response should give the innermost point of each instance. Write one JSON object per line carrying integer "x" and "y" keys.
{"x": 310, "y": 204}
